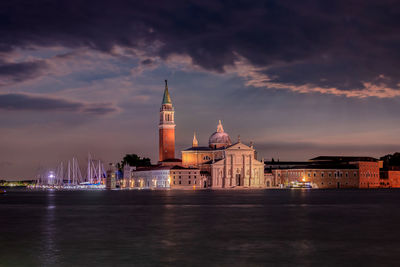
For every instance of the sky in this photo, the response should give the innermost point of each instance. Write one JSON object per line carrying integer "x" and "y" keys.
{"x": 298, "y": 78}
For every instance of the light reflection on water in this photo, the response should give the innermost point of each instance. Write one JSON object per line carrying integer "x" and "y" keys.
{"x": 218, "y": 228}
{"x": 48, "y": 254}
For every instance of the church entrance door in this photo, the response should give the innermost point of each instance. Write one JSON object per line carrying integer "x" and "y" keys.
{"x": 239, "y": 181}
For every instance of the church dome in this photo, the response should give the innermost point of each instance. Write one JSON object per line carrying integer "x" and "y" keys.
{"x": 219, "y": 138}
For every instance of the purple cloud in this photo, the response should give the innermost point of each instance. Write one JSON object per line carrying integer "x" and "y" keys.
{"x": 27, "y": 102}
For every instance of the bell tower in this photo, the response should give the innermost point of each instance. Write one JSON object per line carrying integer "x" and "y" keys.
{"x": 166, "y": 128}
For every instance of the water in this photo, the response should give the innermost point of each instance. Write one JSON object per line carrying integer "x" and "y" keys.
{"x": 200, "y": 228}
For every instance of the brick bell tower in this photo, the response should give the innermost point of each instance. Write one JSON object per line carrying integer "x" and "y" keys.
{"x": 166, "y": 128}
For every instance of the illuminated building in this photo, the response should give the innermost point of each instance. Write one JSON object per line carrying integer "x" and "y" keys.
{"x": 147, "y": 177}
{"x": 227, "y": 165}
{"x": 187, "y": 178}
{"x": 329, "y": 172}
{"x": 221, "y": 164}
{"x": 163, "y": 177}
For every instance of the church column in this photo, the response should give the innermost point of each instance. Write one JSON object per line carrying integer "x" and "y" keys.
{"x": 251, "y": 169}
{"x": 232, "y": 170}
{"x": 244, "y": 170}
{"x": 225, "y": 172}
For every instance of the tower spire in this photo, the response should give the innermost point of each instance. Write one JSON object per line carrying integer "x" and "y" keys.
{"x": 195, "y": 143}
{"x": 167, "y": 97}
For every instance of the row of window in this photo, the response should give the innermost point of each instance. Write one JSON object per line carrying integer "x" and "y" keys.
{"x": 368, "y": 175}
{"x": 335, "y": 174}
{"x": 189, "y": 182}
{"x": 180, "y": 172}
{"x": 180, "y": 177}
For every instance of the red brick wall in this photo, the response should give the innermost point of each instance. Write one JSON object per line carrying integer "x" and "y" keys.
{"x": 394, "y": 178}
{"x": 166, "y": 144}
{"x": 390, "y": 179}
{"x": 369, "y": 174}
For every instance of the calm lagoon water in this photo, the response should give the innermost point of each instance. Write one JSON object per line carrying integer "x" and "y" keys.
{"x": 200, "y": 228}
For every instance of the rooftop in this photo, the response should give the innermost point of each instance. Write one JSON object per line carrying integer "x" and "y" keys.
{"x": 203, "y": 148}
{"x": 172, "y": 160}
{"x": 343, "y": 158}
{"x": 326, "y": 167}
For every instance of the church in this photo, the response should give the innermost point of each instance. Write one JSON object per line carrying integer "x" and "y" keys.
{"x": 222, "y": 164}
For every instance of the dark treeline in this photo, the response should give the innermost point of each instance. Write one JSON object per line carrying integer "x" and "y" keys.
{"x": 133, "y": 160}
{"x": 391, "y": 160}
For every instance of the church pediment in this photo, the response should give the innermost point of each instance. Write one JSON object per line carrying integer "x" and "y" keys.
{"x": 239, "y": 146}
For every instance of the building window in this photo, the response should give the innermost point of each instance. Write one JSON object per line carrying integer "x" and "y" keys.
{"x": 195, "y": 177}
{"x": 315, "y": 174}
{"x": 189, "y": 182}
{"x": 189, "y": 176}
{"x": 174, "y": 182}
{"x": 330, "y": 174}
{"x": 355, "y": 174}
{"x": 347, "y": 175}
{"x": 322, "y": 174}
{"x": 206, "y": 158}
{"x": 180, "y": 182}
{"x": 309, "y": 174}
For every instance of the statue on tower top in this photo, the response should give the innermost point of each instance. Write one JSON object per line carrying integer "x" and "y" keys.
{"x": 220, "y": 129}
{"x": 195, "y": 143}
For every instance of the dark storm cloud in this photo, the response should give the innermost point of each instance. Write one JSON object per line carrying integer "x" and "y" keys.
{"x": 99, "y": 110}
{"x": 327, "y": 43}
{"x": 147, "y": 62}
{"x": 21, "y": 71}
{"x": 25, "y": 102}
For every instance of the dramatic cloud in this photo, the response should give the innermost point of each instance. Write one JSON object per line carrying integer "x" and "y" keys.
{"x": 257, "y": 77}
{"x": 300, "y": 78}
{"x": 328, "y": 47}
{"x": 16, "y": 72}
{"x": 40, "y": 103}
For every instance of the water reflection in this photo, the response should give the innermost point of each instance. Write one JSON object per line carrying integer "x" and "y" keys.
{"x": 204, "y": 228}
{"x": 49, "y": 255}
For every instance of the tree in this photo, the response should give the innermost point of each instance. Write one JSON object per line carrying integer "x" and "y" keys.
{"x": 135, "y": 160}
{"x": 391, "y": 160}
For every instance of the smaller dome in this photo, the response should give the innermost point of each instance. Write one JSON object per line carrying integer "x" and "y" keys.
{"x": 219, "y": 138}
